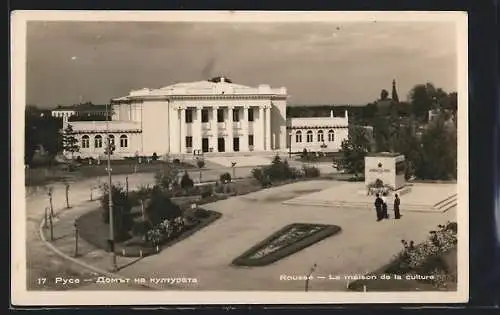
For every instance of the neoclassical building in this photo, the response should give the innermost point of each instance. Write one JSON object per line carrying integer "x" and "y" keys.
{"x": 214, "y": 117}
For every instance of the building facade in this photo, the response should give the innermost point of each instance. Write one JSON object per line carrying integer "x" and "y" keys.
{"x": 205, "y": 117}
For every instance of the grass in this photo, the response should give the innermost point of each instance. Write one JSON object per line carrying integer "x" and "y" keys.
{"x": 287, "y": 249}
{"x": 96, "y": 232}
{"x": 40, "y": 176}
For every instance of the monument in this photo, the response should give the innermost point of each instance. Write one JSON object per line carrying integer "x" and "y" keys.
{"x": 385, "y": 170}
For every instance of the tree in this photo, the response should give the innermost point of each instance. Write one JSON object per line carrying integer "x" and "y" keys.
{"x": 69, "y": 142}
{"x": 384, "y": 95}
{"x": 353, "y": 151}
{"x": 122, "y": 218}
{"x": 439, "y": 152}
{"x": 186, "y": 181}
{"x": 407, "y": 143}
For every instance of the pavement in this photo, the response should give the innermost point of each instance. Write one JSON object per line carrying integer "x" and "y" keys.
{"x": 362, "y": 246}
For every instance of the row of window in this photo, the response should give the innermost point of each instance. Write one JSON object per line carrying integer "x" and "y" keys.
{"x": 310, "y": 136}
{"x": 220, "y": 115}
{"x": 98, "y": 141}
{"x": 189, "y": 140}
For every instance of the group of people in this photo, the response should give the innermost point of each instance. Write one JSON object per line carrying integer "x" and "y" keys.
{"x": 381, "y": 207}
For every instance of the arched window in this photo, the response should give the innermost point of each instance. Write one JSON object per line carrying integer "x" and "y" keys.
{"x": 298, "y": 136}
{"x": 331, "y": 136}
{"x": 123, "y": 141}
{"x": 98, "y": 141}
{"x": 320, "y": 136}
{"x": 85, "y": 142}
{"x": 309, "y": 136}
{"x": 112, "y": 139}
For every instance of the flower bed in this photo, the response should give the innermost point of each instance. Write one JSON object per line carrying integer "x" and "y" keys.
{"x": 431, "y": 265}
{"x": 288, "y": 240}
{"x": 93, "y": 230}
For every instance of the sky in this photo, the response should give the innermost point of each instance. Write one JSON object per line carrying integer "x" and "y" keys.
{"x": 318, "y": 62}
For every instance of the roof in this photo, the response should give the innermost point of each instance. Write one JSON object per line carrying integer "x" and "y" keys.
{"x": 199, "y": 85}
{"x": 384, "y": 154}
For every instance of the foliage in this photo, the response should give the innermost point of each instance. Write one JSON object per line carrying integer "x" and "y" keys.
{"x": 166, "y": 178}
{"x": 176, "y": 161}
{"x": 41, "y": 129}
{"x": 122, "y": 218}
{"x": 141, "y": 228}
{"x": 438, "y": 157}
{"x": 69, "y": 141}
{"x": 200, "y": 163}
{"x": 186, "y": 181}
{"x": 225, "y": 177}
{"x": 154, "y": 157}
{"x": 161, "y": 207}
{"x": 415, "y": 258}
{"x": 354, "y": 150}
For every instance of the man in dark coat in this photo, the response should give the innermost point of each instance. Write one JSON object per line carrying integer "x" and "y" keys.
{"x": 397, "y": 202}
{"x": 378, "y": 207}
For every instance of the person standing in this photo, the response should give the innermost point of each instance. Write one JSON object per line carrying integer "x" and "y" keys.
{"x": 385, "y": 214}
{"x": 397, "y": 202}
{"x": 378, "y": 207}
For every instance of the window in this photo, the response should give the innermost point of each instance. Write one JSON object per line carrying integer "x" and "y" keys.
{"x": 189, "y": 116}
{"x": 331, "y": 136}
{"x": 220, "y": 115}
{"x": 98, "y": 141}
{"x": 250, "y": 139}
{"x": 250, "y": 114}
{"x": 204, "y": 115}
{"x": 112, "y": 139}
{"x": 85, "y": 142}
{"x": 298, "y": 136}
{"x": 189, "y": 142}
{"x": 309, "y": 136}
{"x": 236, "y": 115}
{"x": 123, "y": 141}
{"x": 320, "y": 136}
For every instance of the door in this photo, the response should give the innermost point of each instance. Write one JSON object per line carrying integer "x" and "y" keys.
{"x": 221, "y": 146}
{"x": 204, "y": 144}
{"x": 236, "y": 144}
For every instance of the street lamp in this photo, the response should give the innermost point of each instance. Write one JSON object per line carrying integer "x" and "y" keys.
{"x": 290, "y": 146}
{"x": 111, "y": 217}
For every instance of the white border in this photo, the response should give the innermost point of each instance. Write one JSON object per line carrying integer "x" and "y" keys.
{"x": 22, "y": 297}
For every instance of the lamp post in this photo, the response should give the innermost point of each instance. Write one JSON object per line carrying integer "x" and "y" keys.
{"x": 290, "y": 146}
{"x": 111, "y": 217}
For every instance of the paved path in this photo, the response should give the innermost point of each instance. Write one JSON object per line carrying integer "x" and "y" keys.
{"x": 363, "y": 245}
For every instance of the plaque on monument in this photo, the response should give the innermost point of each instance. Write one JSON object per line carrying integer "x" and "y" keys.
{"x": 385, "y": 169}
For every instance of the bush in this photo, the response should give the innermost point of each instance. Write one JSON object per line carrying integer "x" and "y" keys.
{"x": 161, "y": 207}
{"x": 186, "y": 181}
{"x": 141, "y": 228}
{"x": 258, "y": 174}
{"x": 200, "y": 163}
{"x": 310, "y": 171}
{"x": 225, "y": 177}
{"x": 206, "y": 191}
{"x": 176, "y": 161}
{"x": 154, "y": 157}
{"x": 121, "y": 211}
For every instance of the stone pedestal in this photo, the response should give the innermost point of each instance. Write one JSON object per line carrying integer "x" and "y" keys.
{"x": 387, "y": 167}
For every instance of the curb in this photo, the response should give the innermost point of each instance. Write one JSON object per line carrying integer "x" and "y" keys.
{"x": 80, "y": 263}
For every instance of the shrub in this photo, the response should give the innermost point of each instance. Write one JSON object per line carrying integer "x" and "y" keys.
{"x": 200, "y": 163}
{"x": 122, "y": 218}
{"x": 186, "y": 181}
{"x": 310, "y": 171}
{"x": 176, "y": 161}
{"x": 154, "y": 157}
{"x": 161, "y": 207}
{"x": 141, "y": 228}
{"x": 258, "y": 174}
{"x": 206, "y": 191}
{"x": 201, "y": 213}
{"x": 225, "y": 177}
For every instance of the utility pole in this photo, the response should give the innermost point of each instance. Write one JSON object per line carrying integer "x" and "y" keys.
{"x": 111, "y": 216}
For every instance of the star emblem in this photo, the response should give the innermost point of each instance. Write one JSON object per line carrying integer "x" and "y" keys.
{"x": 379, "y": 164}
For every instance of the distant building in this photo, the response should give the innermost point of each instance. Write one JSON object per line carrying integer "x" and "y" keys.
{"x": 81, "y": 110}
{"x": 214, "y": 116}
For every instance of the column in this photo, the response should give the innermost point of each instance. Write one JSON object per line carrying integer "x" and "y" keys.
{"x": 197, "y": 132}
{"x": 262, "y": 130}
{"x": 229, "y": 128}
{"x": 215, "y": 131}
{"x": 244, "y": 130}
{"x": 182, "y": 124}
{"x": 268, "y": 128}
